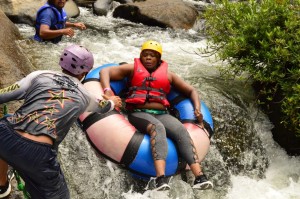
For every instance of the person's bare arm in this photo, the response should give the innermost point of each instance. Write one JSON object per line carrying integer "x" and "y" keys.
{"x": 114, "y": 73}
{"x": 46, "y": 33}
{"x": 189, "y": 91}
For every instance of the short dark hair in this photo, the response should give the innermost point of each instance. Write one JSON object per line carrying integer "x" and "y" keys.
{"x": 51, "y": 2}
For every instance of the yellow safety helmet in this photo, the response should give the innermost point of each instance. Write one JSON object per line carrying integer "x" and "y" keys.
{"x": 152, "y": 45}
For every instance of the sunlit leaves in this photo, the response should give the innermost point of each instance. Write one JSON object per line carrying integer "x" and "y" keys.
{"x": 262, "y": 40}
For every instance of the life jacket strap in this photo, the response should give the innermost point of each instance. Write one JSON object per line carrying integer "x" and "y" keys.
{"x": 151, "y": 111}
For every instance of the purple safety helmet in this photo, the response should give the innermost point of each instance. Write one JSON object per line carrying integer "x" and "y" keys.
{"x": 76, "y": 59}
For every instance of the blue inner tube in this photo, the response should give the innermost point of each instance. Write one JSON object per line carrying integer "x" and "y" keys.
{"x": 117, "y": 86}
{"x": 142, "y": 165}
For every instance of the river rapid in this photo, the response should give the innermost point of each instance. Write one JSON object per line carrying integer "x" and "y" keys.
{"x": 243, "y": 161}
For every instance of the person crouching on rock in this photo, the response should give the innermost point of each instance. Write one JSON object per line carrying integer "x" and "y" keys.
{"x": 53, "y": 101}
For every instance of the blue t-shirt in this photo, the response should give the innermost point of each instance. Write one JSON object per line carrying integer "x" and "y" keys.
{"x": 54, "y": 18}
{"x": 48, "y": 17}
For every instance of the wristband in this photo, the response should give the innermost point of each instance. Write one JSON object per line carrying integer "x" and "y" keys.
{"x": 112, "y": 105}
{"x": 106, "y": 89}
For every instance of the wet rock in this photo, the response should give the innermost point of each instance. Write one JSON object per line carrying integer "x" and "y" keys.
{"x": 163, "y": 13}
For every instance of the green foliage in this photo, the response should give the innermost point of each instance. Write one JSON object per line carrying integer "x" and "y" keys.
{"x": 261, "y": 40}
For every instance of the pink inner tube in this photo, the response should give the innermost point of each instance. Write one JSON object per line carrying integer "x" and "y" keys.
{"x": 111, "y": 134}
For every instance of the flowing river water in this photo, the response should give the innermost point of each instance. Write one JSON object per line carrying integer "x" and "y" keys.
{"x": 243, "y": 161}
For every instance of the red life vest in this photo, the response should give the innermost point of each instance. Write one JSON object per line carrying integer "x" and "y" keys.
{"x": 146, "y": 87}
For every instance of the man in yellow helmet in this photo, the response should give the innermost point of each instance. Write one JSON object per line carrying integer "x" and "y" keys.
{"x": 150, "y": 82}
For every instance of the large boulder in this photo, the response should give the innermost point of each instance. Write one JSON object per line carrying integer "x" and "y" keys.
{"x": 89, "y": 3}
{"x": 12, "y": 60}
{"x": 14, "y": 65}
{"x": 24, "y": 11}
{"x": 163, "y": 13}
{"x": 85, "y": 3}
{"x": 101, "y": 7}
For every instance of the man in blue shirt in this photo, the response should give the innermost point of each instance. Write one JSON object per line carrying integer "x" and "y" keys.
{"x": 51, "y": 22}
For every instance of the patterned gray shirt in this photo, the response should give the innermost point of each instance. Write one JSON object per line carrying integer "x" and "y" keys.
{"x": 52, "y": 102}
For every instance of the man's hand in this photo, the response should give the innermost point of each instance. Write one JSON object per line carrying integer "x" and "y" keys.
{"x": 80, "y": 25}
{"x": 69, "y": 32}
{"x": 116, "y": 99}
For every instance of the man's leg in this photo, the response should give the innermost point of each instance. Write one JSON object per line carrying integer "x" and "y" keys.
{"x": 3, "y": 172}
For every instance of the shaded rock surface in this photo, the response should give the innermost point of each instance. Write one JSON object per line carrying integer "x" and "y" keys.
{"x": 163, "y": 13}
{"x": 13, "y": 66}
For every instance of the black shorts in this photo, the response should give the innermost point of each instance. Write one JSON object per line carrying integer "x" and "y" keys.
{"x": 35, "y": 162}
